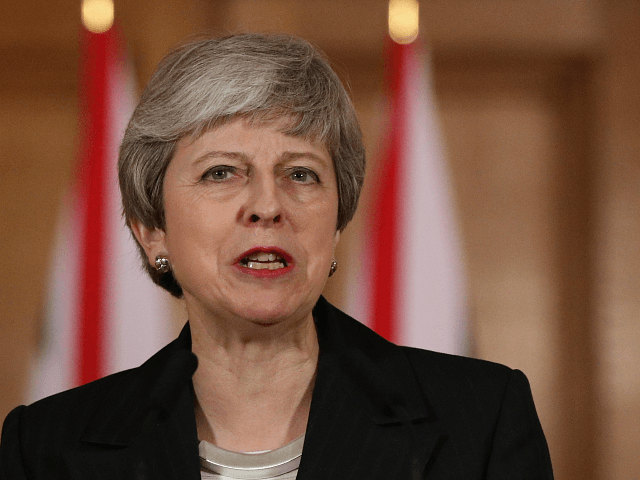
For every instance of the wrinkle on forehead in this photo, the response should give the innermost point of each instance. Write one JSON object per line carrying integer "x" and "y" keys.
{"x": 286, "y": 122}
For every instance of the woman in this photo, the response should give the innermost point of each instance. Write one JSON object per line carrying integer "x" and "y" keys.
{"x": 240, "y": 167}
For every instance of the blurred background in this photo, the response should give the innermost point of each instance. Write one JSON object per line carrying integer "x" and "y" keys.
{"x": 539, "y": 104}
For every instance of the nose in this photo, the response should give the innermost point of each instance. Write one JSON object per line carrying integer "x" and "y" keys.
{"x": 264, "y": 205}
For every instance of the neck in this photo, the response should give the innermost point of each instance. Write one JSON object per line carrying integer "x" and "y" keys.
{"x": 253, "y": 384}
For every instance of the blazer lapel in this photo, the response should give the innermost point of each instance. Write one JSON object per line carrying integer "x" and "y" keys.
{"x": 147, "y": 429}
{"x": 368, "y": 416}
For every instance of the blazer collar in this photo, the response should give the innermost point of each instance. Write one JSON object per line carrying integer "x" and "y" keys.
{"x": 375, "y": 372}
{"x": 149, "y": 410}
{"x": 145, "y": 395}
{"x": 368, "y": 418}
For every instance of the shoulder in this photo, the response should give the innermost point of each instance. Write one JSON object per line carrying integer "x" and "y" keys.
{"x": 455, "y": 382}
{"x": 65, "y": 415}
{"x": 33, "y": 436}
{"x": 487, "y": 410}
{"x": 39, "y": 438}
{"x": 455, "y": 371}
{"x": 448, "y": 383}
{"x": 62, "y": 416}
{"x": 429, "y": 367}
{"x": 483, "y": 412}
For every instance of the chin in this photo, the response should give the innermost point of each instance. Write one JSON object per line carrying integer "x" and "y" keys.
{"x": 269, "y": 310}
{"x": 265, "y": 315}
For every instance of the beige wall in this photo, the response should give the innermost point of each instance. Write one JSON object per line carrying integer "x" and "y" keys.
{"x": 541, "y": 112}
{"x": 618, "y": 231}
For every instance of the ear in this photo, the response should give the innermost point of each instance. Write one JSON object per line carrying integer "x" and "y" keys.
{"x": 336, "y": 239}
{"x": 151, "y": 239}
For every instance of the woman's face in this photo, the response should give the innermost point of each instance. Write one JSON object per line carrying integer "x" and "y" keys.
{"x": 250, "y": 222}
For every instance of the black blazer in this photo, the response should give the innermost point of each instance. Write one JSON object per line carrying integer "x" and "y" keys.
{"x": 378, "y": 411}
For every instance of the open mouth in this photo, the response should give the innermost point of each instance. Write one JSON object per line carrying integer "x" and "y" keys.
{"x": 264, "y": 261}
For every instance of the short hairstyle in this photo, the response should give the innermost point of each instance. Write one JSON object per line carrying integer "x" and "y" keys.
{"x": 209, "y": 82}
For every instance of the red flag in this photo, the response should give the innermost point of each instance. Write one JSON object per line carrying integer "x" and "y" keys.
{"x": 102, "y": 313}
{"x": 415, "y": 292}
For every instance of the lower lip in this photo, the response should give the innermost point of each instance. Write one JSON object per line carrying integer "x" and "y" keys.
{"x": 264, "y": 272}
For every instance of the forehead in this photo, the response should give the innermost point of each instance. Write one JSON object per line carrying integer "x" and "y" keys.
{"x": 314, "y": 130}
{"x": 253, "y": 134}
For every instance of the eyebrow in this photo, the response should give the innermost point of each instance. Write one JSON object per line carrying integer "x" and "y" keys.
{"x": 222, "y": 154}
{"x": 289, "y": 156}
{"x": 286, "y": 156}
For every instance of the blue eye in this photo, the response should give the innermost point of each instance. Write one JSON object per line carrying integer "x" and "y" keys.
{"x": 303, "y": 175}
{"x": 219, "y": 173}
{"x": 300, "y": 176}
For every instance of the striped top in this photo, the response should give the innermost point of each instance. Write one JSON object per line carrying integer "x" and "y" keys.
{"x": 280, "y": 464}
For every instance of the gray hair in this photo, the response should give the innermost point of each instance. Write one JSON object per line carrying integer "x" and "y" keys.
{"x": 207, "y": 83}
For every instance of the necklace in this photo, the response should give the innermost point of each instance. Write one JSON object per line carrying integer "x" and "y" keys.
{"x": 252, "y": 465}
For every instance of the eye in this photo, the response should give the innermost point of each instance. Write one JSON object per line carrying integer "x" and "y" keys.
{"x": 219, "y": 173}
{"x": 303, "y": 175}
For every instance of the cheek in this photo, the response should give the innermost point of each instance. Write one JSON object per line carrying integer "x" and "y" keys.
{"x": 194, "y": 231}
{"x": 322, "y": 237}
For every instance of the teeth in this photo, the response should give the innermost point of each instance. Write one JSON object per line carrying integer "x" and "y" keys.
{"x": 263, "y": 257}
{"x": 265, "y": 265}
